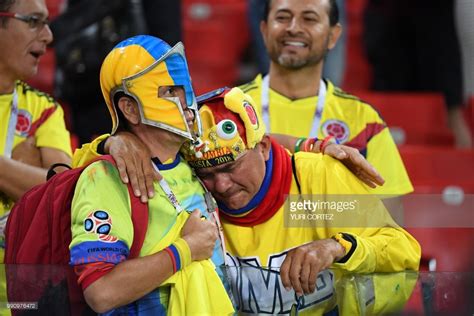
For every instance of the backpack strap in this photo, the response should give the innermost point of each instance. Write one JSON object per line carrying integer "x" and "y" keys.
{"x": 52, "y": 170}
{"x": 139, "y": 215}
{"x": 293, "y": 168}
{"x": 140, "y": 222}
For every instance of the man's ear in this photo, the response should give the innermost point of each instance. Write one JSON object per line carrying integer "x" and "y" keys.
{"x": 334, "y": 34}
{"x": 265, "y": 146}
{"x": 129, "y": 109}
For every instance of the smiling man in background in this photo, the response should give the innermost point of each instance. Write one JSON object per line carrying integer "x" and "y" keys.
{"x": 295, "y": 100}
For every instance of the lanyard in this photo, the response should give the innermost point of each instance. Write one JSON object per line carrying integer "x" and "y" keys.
{"x": 169, "y": 193}
{"x": 317, "y": 115}
{"x": 11, "y": 126}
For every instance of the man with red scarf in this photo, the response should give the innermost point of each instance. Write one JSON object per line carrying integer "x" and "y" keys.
{"x": 269, "y": 203}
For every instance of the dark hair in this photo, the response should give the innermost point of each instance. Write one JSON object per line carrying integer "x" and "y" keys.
{"x": 333, "y": 11}
{"x": 5, "y": 5}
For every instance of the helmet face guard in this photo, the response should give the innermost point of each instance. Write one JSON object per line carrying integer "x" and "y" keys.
{"x": 138, "y": 67}
{"x": 170, "y": 69}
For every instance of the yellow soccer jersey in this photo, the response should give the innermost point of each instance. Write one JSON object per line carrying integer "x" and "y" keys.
{"x": 351, "y": 121}
{"x": 39, "y": 116}
{"x": 381, "y": 246}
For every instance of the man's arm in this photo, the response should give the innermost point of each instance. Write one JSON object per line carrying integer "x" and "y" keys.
{"x": 134, "y": 165}
{"x": 142, "y": 275}
{"x": 18, "y": 176}
{"x": 349, "y": 156}
{"x": 371, "y": 241}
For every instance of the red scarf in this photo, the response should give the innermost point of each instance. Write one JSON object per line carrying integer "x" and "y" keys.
{"x": 277, "y": 192}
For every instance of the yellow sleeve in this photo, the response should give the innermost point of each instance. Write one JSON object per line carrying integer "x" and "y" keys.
{"x": 53, "y": 133}
{"x": 383, "y": 154}
{"x": 87, "y": 152}
{"x": 378, "y": 243}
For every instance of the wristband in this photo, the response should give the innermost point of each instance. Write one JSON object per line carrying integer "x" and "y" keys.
{"x": 310, "y": 143}
{"x": 179, "y": 253}
{"x": 298, "y": 144}
{"x": 101, "y": 147}
{"x": 348, "y": 242}
{"x": 326, "y": 141}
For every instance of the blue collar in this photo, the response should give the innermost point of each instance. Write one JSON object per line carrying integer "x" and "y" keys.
{"x": 258, "y": 198}
{"x": 166, "y": 166}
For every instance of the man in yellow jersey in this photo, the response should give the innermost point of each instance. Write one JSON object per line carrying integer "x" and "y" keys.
{"x": 147, "y": 89}
{"x": 33, "y": 135}
{"x": 259, "y": 186}
{"x": 295, "y": 100}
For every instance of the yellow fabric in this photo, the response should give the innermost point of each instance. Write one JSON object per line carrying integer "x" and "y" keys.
{"x": 294, "y": 117}
{"x": 377, "y": 294}
{"x": 196, "y": 289}
{"x": 381, "y": 248}
{"x": 184, "y": 251}
{"x": 87, "y": 152}
{"x": 156, "y": 109}
{"x": 3, "y": 291}
{"x": 116, "y": 67}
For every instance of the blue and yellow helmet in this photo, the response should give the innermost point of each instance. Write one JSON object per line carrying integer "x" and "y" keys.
{"x": 137, "y": 67}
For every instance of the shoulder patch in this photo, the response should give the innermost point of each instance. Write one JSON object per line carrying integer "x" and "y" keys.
{"x": 211, "y": 95}
{"x": 25, "y": 88}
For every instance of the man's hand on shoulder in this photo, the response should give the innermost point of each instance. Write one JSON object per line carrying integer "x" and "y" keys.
{"x": 356, "y": 163}
{"x": 134, "y": 164}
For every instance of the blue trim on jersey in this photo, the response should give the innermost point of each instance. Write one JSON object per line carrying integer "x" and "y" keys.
{"x": 98, "y": 251}
{"x": 258, "y": 198}
{"x": 150, "y": 304}
{"x": 166, "y": 166}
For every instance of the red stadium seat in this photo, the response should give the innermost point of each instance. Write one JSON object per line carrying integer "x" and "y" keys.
{"x": 215, "y": 34}
{"x": 55, "y": 7}
{"x": 358, "y": 72}
{"x": 469, "y": 114}
{"x": 440, "y": 216}
{"x": 413, "y": 118}
{"x": 74, "y": 142}
{"x": 432, "y": 169}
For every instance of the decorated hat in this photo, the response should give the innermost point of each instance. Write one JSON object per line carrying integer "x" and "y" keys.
{"x": 230, "y": 125}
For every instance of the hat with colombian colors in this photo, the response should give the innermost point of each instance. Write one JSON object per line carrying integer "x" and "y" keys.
{"x": 231, "y": 125}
